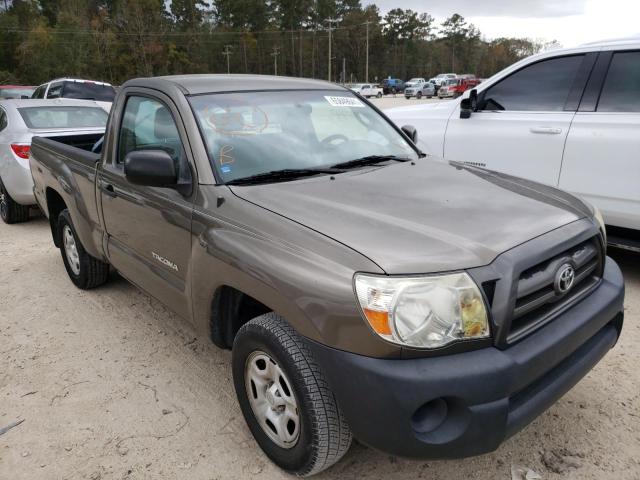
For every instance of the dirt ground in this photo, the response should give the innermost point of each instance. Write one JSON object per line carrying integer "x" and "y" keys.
{"x": 111, "y": 385}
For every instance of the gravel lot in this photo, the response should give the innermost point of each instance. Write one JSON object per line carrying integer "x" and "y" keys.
{"x": 111, "y": 385}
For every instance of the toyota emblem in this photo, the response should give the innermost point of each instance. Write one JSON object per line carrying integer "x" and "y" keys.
{"x": 565, "y": 276}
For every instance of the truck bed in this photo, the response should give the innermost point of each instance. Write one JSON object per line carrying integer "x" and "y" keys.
{"x": 73, "y": 147}
{"x": 64, "y": 176}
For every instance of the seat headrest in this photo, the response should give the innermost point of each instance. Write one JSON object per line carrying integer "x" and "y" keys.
{"x": 164, "y": 126}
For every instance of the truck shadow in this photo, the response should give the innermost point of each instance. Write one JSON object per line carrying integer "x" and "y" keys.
{"x": 629, "y": 263}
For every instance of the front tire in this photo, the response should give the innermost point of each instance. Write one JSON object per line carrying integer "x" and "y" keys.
{"x": 85, "y": 271}
{"x": 419, "y": 95}
{"x": 10, "y": 211}
{"x": 285, "y": 398}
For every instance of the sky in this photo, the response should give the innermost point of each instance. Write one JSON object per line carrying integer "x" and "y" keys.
{"x": 570, "y": 22}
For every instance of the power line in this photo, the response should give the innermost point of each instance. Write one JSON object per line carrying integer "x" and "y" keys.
{"x": 56, "y": 31}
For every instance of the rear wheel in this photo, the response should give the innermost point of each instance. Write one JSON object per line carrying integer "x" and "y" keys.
{"x": 379, "y": 95}
{"x": 419, "y": 95}
{"x": 10, "y": 211}
{"x": 285, "y": 398}
{"x": 84, "y": 270}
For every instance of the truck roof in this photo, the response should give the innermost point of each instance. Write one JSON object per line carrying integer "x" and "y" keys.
{"x": 212, "y": 83}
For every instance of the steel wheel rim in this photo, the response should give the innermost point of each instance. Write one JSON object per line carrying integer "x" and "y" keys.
{"x": 272, "y": 400}
{"x": 71, "y": 250}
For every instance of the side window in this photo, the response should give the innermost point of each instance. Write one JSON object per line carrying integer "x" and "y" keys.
{"x": 39, "y": 93}
{"x": 3, "y": 119}
{"x": 621, "y": 89}
{"x": 55, "y": 90}
{"x": 543, "y": 86}
{"x": 147, "y": 124}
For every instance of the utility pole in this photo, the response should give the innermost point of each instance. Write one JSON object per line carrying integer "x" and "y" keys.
{"x": 274, "y": 54}
{"x": 300, "y": 53}
{"x": 227, "y": 53}
{"x": 344, "y": 71}
{"x": 366, "y": 68}
{"x": 330, "y": 21}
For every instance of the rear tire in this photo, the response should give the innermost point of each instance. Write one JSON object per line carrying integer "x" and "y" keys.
{"x": 419, "y": 95}
{"x": 285, "y": 398}
{"x": 10, "y": 211}
{"x": 85, "y": 271}
{"x": 379, "y": 95}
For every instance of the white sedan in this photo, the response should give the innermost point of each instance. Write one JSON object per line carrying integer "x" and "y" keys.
{"x": 367, "y": 90}
{"x": 20, "y": 120}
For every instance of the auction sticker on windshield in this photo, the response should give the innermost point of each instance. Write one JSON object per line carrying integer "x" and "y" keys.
{"x": 344, "y": 101}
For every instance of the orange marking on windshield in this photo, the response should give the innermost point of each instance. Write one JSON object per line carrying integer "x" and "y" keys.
{"x": 224, "y": 156}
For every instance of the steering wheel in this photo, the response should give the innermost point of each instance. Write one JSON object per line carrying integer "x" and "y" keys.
{"x": 333, "y": 138}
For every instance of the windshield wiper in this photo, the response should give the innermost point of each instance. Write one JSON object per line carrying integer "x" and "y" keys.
{"x": 369, "y": 160}
{"x": 284, "y": 174}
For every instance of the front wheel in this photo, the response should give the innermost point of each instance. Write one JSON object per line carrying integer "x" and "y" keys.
{"x": 10, "y": 211}
{"x": 84, "y": 270}
{"x": 419, "y": 95}
{"x": 285, "y": 398}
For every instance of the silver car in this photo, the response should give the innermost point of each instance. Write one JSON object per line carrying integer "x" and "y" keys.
{"x": 419, "y": 90}
{"x": 20, "y": 120}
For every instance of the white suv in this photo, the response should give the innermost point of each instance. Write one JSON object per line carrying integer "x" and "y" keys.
{"x": 100, "y": 92}
{"x": 568, "y": 118}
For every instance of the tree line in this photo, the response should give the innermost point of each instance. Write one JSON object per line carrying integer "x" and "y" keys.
{"x": 114, "y": 40}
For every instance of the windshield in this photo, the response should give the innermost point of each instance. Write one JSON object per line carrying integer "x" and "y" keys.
{"x": 251, "y": 133}
{"x": 89, "y": 91}
{"x": 64, "y": 117}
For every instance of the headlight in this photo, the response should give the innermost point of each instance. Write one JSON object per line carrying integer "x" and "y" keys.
{"x": 423, "y": 312}
{"x": 600, "y": 219}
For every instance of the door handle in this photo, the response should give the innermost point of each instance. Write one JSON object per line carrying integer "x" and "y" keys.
{"x": 546, "y": 130}
{"x": 108, "y": 189}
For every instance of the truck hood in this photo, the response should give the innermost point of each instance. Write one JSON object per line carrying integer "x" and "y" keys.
{"x": 429, "y": 217}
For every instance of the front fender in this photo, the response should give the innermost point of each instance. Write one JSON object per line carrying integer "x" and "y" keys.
{"x": 310, "y": 285}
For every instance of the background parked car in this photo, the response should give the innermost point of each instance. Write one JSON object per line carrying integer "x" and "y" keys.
{"x": 413, "y": 82}
{"x": 448, "y": 88}
{"x": 367, "y": 90}
{"x": 392, "y": 85}
{"x": 419, "y": 90}
{"x": 100, "y": 92}
{"x": 20, "y": 120}
{"x": 442, "y": 78}
{"x": 457, "y": 86}
{"x": 15, "y": 91}
{"x": 568, "y": 118}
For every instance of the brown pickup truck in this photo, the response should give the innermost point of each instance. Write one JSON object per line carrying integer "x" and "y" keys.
{"x": 429, "y": 309}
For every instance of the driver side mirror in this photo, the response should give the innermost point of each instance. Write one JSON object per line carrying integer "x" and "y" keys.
{"x": 411, "y": 132}
{"x": 469, "y": 105}
{"x": 151, "y": 168}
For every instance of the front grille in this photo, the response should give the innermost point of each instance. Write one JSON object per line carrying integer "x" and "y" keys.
{"x": 538, "y": 301}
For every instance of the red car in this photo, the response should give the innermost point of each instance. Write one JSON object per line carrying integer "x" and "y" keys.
{"x": 457, "y": 86}
{"x": 16, "y": 91}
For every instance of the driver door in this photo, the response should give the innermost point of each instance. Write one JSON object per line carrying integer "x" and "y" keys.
{"x": 149, "y": 228}
{"x": 522, "y": 124}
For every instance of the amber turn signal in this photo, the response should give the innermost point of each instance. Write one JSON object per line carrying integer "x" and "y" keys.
{"x": 379, "y": 321}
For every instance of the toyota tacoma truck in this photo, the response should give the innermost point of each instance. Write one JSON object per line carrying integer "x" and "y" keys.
{"x": 429, "y": 309}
